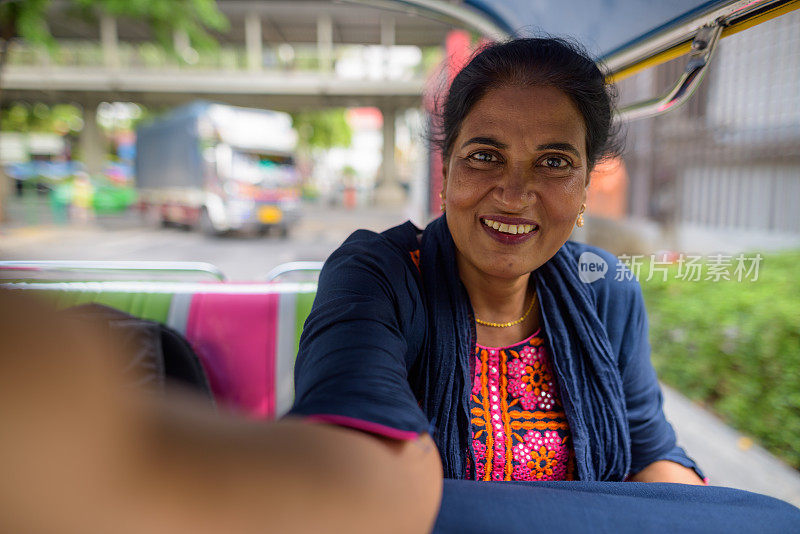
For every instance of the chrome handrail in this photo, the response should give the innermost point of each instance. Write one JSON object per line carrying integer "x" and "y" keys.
{"x": 727, "y": 14}
{"x": 167, "y": 267}
{"x": 159, "y": 286}
{"x": 703, "y": 46}
{"x": 293, "y": 266}
{"x": 710, "y": 21}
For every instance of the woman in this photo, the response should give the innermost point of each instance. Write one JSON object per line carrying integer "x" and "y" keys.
{"x": 390, "y": 349}
{"x": 479, "y": 329}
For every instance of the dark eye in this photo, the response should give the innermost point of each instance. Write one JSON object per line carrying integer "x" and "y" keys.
{"x": 483, "y": 157}
{"x": 556, "y": 162}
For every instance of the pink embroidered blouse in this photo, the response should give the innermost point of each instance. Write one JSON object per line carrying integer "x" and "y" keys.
{"x": 519, "y": 428}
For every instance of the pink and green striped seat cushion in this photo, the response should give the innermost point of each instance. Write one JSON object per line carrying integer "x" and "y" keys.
{"x": 246, "y": 335}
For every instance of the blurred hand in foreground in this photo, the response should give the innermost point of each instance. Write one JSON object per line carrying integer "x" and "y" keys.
{"x": 81, "y": 453}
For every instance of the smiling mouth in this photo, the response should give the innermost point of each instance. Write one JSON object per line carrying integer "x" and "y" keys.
{"x": 511, "y": 229}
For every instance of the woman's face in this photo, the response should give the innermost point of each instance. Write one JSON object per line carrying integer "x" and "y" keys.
{"x": 515, "y": 180}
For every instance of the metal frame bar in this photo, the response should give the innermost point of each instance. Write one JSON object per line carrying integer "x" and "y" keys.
{"x": 464, "y": 16}
{"x": 731, "y": 19}
{"x": 703, "y": 31}
{"x": 725, "y": 15}
{"x": 703, "y": 47}
{"x": 166, "y": 267}
{"x": 173, "y": 287}
{"x": 449, "y": 13}
{"x": 291, "y": 267}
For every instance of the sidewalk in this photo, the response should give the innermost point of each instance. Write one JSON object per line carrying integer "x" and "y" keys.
{"x": 727, "y": 457}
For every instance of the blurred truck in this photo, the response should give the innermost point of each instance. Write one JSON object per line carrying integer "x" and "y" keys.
{"x": 219, "y": 168}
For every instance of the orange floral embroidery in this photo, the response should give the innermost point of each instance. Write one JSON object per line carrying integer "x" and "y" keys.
{"x": 542, "y": 462}
{"x": 519, "y": 428}
{"x": 536, "y": 378}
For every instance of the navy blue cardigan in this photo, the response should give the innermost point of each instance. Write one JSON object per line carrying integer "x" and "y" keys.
{"x": 374, "y": 348}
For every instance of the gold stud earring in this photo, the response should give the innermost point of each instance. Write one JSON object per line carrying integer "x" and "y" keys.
{"x": 441, "y": 204}
{"x": 579, "y": 222}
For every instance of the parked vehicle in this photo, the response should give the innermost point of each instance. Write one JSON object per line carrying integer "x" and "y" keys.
{"x": 219, "y": 168}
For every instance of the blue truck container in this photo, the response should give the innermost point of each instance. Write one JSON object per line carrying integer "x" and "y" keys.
{"x": 219, "y": 168}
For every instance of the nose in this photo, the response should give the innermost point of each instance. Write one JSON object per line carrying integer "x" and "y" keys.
{"x": 515, "y": 189}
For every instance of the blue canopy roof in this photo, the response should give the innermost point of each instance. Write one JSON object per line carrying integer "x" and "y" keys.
{"x": 603, "y": 26}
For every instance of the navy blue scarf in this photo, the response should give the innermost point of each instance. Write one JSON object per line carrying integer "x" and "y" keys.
{"x": 584, "y": 362}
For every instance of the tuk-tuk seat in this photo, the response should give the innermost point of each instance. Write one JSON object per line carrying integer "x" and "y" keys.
{"x": 245, "y": 335}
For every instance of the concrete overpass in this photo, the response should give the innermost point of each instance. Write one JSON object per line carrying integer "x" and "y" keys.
{"x": 260, "y": 32}
{"x": 258, "y": 65}
{"x": 275, "y": 90}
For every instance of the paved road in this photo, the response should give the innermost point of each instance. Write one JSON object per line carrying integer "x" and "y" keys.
{"x": 320, "y": 231}
{"x": 728, "y": 458}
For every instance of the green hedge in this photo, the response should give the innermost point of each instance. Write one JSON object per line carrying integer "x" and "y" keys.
{"x": 735, "y": 347}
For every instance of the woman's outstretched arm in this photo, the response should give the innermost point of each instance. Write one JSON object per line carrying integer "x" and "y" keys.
{"x": 80, "y": 453}
{"x": 667, "y": 471}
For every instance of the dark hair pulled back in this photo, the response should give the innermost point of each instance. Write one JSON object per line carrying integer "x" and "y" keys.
{"x": 547, "y": 61}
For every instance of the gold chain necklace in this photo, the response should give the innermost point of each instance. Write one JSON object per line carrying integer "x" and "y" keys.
{"x": 511, "y": 323}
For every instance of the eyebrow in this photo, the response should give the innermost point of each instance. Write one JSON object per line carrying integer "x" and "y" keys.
{"x": 491, "y": 141}
{"x": 566, "y": 147}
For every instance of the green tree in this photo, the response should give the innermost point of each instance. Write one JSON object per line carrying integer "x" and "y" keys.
{"x": 322, "y": 129}
{"x": 195, "y": 17}
{"x": 61, "y": 119}
{"x": 27, "y": 20}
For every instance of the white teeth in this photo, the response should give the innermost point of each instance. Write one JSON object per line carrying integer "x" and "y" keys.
{"x": 512, "y": 229}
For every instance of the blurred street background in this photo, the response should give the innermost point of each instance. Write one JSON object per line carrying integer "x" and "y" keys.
{"x": 241, "y": 257}
{"x": 252, "y": 133}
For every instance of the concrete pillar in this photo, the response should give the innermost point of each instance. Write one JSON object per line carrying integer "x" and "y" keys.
{"x": 389, "y": 193}
{"x": 109, "y": 41}
{"x": 389, "y": 117}
{"x": 387, "y": 31}
{"x": 325, "y": 42}
{"x": 5, "y": 193}
{"x": 387, "y": 41}
{"x": 252, "y": 35}
{"x": 93, "y": 146}
{"x": 180, "y": 41}
{"x": 183, "y": 47}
